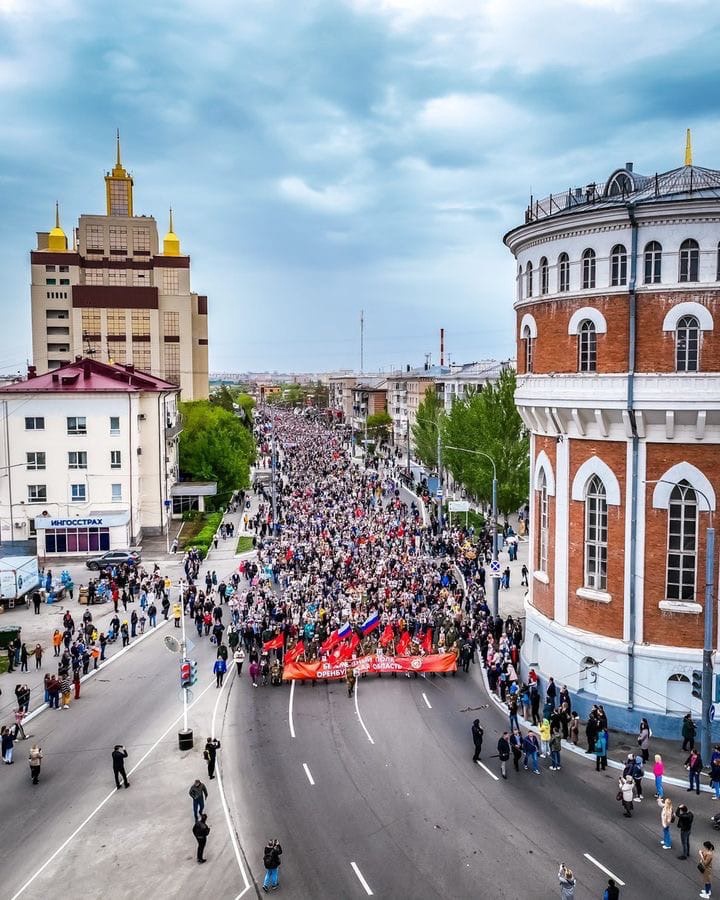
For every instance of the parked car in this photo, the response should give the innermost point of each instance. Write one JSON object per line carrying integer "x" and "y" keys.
{"x": 113, "y": 558}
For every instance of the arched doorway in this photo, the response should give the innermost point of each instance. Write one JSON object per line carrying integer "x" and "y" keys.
{"x": 678, "y": 696}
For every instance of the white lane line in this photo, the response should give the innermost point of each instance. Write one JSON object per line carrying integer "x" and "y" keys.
{"x": 603, "y": 869}
{"x": 290, "y": 709}
{"x": 103, "y": 802}
{"x": 223, "y": 799}
{"x": 307, "y": 772}
{"x": 427, "y": 702}
{"x": 361, "y": 879}
{"x": 491, "y": 774}
{"x": 360, "y": 718}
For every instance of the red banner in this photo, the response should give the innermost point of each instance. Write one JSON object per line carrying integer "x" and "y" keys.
{"x": 332, "y": 671}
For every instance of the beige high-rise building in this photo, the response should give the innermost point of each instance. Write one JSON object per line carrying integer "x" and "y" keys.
{"x": 117, "y": 297}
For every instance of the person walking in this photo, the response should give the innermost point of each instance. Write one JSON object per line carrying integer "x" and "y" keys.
{"x": 658, "y": 772}
{"x": 65, "y": 689}
{"x": 626, "y": 793}
{"x": 57, "y": 641}
{"x": 567, "y": 883}
{"x": 177, "y": 613}
{"x": 667, "y": 817}
{"x": 643, "y": 739}
{"x": 715, "y": 773}
{"x": 38, "y": 656}
{"x": 516, "y": 747}
{"x": 7, "y": 743}
{"x": 219, "y": 670}
{"x": 119, "y": 755}
{"x": 503, "y": 748}
{"x": 254, "y": 672}
{"x": 705, "y": 865}
{"x": 555, "y": 748}
{"x": 694, "y": 766}
{"x": 477, "y": 736}
{"x": 36, "y": 599}
{"x": 201, "y": 830}
{"x": 531, "y": 748}
{"x": 212, "y": 745}
{"x": 35, "y": 758}
{"x": 199, "y": 793}
{"x": 271, "y": 861}
{"x": 612, "y": 891}
{"x": 239, "y": 659}
{"x": 350, "y": 678}
{"x": 688, "y": 732}
{"x": 601, "y": 751}
{"x": 684, "y": 823}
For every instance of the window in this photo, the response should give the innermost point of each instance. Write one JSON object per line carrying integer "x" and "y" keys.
{"x": 117, "y": 277}
{"x": 76, "y": 540}
{"x": 596, "y": 529}
{"x": 119, "y": 197}
{"x": 94, "y": 237}
{"x": 141, "y": 356}
{"x": 37, "y": 493}
{"x": 77, "y": 459}
{"x": 141, "y": 239}
{"x": 563, "y": 272}
{"x": 35, "y": 460}
{"x": 78, "y": 493}
{"x": 687, "y": 345}
{"x": 171, "y": 281}
{"x": 682, "y": 543}
{"x": 520, "y": 283}
{"x": 118, "y": 239}
{"x": 529, "y": 279}
{"x": 95, "y": 276}
{"x": 544, "y": 522}
{"x": 689, "y": 261}
{"x": 618, "y": 265}
{"x": 76, "y": 425}
{"x": 115, "y": 459}
{"x": 90, "y": 323}
{"x": 63, "y": 268}
{"x": 114, "y": 424}
{"x": 116, "y": 322}
{"x": 51, "y": 281}
{"x": 588, "y": 269}
{"x": 116, "y": 493}
{"x": 49, "y": 268}
{"x": 140, "y": 322}
{"x": 64, "y": 281}
{"x": 544, "y": 275}
{"x": 172, "y": 363}
{"x": 653, "y": 263}
{"x": 587, "y": 347}
{"x": 34, "y": 423}
{"x": 529, "y": 348}
{"x": 171, "y": 324}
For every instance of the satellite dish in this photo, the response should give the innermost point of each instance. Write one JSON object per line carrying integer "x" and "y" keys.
{"x": 172, "y": 643}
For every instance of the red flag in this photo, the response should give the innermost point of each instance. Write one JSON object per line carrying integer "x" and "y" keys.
{"x": 402, "y": 644}
{"x": 426, "y": 642}
{"x": 387, "y": 635}
{"x": 296, "y": 651}
{"x": 329, "y": 642}
{"x": 343, "y": 652}
{"x": 274, "y": 643}
{"x": 354, "y": 642}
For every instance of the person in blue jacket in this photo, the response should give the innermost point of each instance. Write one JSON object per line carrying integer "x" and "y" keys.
{"x": 219, "y": 669}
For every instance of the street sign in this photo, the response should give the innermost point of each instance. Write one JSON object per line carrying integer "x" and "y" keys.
{"x": 495, "y": 567}
{"x": 459, "y": 506}
{"x": 439, "y": 494}
{"x": 711, "y": 712}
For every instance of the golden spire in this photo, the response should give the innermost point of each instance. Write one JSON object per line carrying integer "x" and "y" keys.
{"x": 119, "y": 186}
{"x": 57, "y": 214}
{"x": 57, "y": 239}
{"x": 119, "y": 164}
{"x": 171, "y": 243}
{"x": 688, "y": 148}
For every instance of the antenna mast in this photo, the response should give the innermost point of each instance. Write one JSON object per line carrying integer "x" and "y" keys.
{"x": 362, "y": 341}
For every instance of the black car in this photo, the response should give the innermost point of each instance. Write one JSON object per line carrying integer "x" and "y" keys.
{"x": 113, "y": 558}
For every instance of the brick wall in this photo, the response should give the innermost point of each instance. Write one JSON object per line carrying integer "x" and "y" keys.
{"x": 656, "y": 348}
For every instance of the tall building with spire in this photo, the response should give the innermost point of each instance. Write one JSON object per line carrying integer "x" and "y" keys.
{"x": 117, "y": 295}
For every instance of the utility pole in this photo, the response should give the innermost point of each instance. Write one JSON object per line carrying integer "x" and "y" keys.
{"x": 362, "y": 341}
{"x": 496, "y": 578}
{"x": 707, "y": 668}
{"x": 440, "y": 478}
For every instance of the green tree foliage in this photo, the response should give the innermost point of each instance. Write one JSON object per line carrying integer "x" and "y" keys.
{"x": 215, "y": 446}
{"x": 222, "y": 397}
{"x": 429, "y": 418}
{"x": 488, "y": 420}
{"x": 379, "y": 426}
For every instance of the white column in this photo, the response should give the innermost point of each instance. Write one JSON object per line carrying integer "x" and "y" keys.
{"x": 531, "y": 514}
{"x": 640, "y": 542}
{"x": 562, "y": 491}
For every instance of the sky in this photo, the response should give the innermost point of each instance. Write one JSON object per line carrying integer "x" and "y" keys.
{"x": 327, "y": 157}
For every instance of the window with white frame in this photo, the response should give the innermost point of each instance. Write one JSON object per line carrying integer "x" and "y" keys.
{"x": 563, "y": 273}
{"x": 94, "y": 237}
{"x": 114, "y": 424}
{"x": 78, "y": 493}
{"x": 117, "y": 277}
{"x": 544, "y": 522}
{"x": 520, "y": 282}
{"x": 95, "y": 276}
{"x": 37, "y": 493}
{"x": 116, "y": 492}
{"x": 544, "y": 286}
{"x": 682, "y": 543}
{"x": 171, "y": 281}
{"x": 596, "y": 532}
{"x": 653, "y": 262}
{"x": 529, "y": 342}
{"x": 589, "y": 265}
{"x": 687, "y": 345}
{"x": 34, "y": 423}
{"x": 587, "y": 347}
{"x": 118, "y": 239}
{"x": 529, "y": 279}
{"x": 115, "y": 459}
{"x": 689, "y": 269}
{"x": 141, "y": 240}
{"x": 76, "y": 425}
{"x": 35, "y": 460}
{"x": 618, "y": 265}
{"x": 77, "y": 459}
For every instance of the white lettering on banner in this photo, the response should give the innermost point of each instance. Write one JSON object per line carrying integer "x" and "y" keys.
{"x": 97, "y": 521}
{"x": 63, "y": 523}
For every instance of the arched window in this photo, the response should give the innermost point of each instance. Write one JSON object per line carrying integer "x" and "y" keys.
{"x": 653, "y": 263}
{"x": 618, "y": 265}
{"x": 687, "y": 345}
{"x": 563, "y": 272}
{"x": 529, "y": 347}
{"x": 520, "y": 283}
{"x": 682, "y": 543}
{"x": 689, "y": 261}
{"x": 588, "y": 268}
{"x": 587, "y": 347}
{"x": 529, "y": 279}
{"x": 544, "y": 275}
{"x": 596, "y": 530}
{"x": 543, "y": 522}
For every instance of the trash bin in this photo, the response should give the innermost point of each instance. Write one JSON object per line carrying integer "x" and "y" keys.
{"x": 83, "y": 595}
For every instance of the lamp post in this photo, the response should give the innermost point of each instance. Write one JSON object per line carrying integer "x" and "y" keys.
{"x": 707, "y": 662}
{"x": 496, "y": 576}
{"x": 439, "y": 461}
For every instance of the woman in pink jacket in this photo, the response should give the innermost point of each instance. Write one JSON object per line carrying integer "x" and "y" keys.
{"x": 658, "y": 772}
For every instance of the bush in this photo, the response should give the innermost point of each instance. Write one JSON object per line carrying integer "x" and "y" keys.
{"x": 204, "y": 538}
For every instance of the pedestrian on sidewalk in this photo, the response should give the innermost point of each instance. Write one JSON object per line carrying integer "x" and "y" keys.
{"x": 152, "y": 615}
{"x": 35, "y": 758}
{"x": 351, "y": 678}
{"x": 56, "y": 641}
{"x": 239, "y": 658}
{"x": 199, "y": 793}
{"x": 23, "y": 658}
{"x": 177, "y": 612}
{"x": 271, "y": 861}
{"x": 667, "y": 817}
{"x": 7, "y": 743}
{"x": 684, "y": 824}
{"x": 477, "y": 736}
{"x": 19, "y": 730}
{"x": 601, "y": 750}
{"x": 705, "y": 866}
{"x": 503, "y": 748}
{"x": 201, "y": 830}
{"x": 119, "y": 755}
{"x": 658, "y": 772}
{"x": 65, "y": 689}
{"x": 643, "y": 739}
{"x": 715, "y": 773}
{"x": 688, "y": 732}
{"x": 567, "y": 883}
{"x": 612, "y": 891}
{"x": 694, "y": 766}
{"x": 219, "y": 670}
{"x": 38, "y": 656}
{"x": 36, "y": 599}
{"x": 626, "y": 794}
{"x": 516, "y": 745}
{"x": 212, "y": 745}
{"x": 555, "y": 748}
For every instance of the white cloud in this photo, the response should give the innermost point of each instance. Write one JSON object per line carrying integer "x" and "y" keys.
{"x": 341, "y": 199}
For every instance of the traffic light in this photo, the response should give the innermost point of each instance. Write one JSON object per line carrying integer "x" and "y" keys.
{"x": 697, "y": 684}
{"x": 185, "y": 673}
{"x": 193, "y": 671}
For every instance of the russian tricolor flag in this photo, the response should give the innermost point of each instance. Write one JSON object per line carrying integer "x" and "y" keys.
{"x": 372, "y": 622}
{"x": 344, "y": 630}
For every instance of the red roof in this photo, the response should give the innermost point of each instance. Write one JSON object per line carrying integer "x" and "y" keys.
{"x": 88, "y": 375}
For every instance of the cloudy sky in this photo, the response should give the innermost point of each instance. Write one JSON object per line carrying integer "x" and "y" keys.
{"x": 328, "y": 156}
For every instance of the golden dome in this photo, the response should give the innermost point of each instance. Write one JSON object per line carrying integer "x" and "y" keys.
{"x": 57, "y": 239}
{"x": 171, "y": 242}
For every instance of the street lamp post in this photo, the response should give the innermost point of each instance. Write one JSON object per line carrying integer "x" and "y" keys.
{"x": 707, "y": 661}
{"x": 495, "y": 574}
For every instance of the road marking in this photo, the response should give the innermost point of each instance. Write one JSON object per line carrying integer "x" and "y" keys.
{"x": 102, "y": 803}
{"x": 603, "y": 869}
{"x": 307, "y": 772}
{"x": 483, "y": 766}
{"x": 427, "y": 702}
{"x": 360, "y": 718}
{"x": 361, "y": 879}
{"x": 223, "y": 799}
{"x": 290, "y": 709}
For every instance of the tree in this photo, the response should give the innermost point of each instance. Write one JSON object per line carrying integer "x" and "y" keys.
{"x": 378, "y": 427}
{"x": 215, "y": 446}
{"x": 429, "y": 418}
{"x": 489, "y": 421}
{"x": 222, "y": 397}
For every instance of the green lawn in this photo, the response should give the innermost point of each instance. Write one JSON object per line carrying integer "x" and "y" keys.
{"x": 244, "y": 544}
